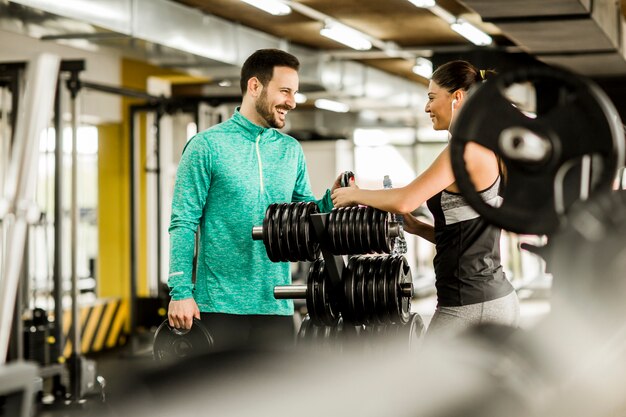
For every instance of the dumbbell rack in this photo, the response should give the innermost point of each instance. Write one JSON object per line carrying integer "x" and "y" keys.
{"x": 371, "y": 294}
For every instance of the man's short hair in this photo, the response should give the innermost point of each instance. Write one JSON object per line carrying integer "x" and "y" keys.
{"x": 261, "y": 65}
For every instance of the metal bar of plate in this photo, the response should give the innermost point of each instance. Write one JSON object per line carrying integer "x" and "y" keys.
{"x": 333, "y": 264}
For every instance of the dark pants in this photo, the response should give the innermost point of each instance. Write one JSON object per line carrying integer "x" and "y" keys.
{"x": 236, "y": 332}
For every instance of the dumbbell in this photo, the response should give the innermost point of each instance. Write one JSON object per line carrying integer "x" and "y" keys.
{"x": 374, "y": 290}
{"x": 287, "y": 232}
{"x": 321, "y": 302}
{"x": 377, "y": 290}
{"x": 360, "y": 230}
{"x": 411, "y": 331}
{"x": 322, "y": 338}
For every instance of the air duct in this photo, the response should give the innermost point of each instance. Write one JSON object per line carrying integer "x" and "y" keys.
{"x": 215, "y": 47}
{"x": 582, "y": 35}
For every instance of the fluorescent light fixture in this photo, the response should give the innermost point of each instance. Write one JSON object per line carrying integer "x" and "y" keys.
{"x": 275, "y": 7}
{"x": 423, "y": 67}
{"x": 331, "y": 105}
{"x": 423, "y": 3}
{"x": 348, "y": 36}
{"x": 443, "y": 14}
{"x": 300, "y": 98}
{"x": 471, "y": 33}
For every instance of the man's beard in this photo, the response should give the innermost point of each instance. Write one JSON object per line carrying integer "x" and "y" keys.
{"x": 266, "y": 112}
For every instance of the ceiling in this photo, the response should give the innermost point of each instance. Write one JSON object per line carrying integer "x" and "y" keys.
{"x": 416, "y": 31}
{"x": 531, "y": 27}
{"x": 212, "y": 38}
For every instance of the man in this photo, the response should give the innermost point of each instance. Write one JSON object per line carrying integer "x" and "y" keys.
{"x": 227, "y": 177}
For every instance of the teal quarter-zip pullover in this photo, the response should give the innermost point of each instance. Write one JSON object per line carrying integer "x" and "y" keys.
{"x": 227, "y": 177}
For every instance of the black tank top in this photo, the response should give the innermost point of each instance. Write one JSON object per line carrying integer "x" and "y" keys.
{"x": 467, "y": 263}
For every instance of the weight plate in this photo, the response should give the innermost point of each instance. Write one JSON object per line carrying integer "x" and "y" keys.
{"x": 538, "y": 151}
{"x": 171, "y": 344}
{"x": 285, "y": 229}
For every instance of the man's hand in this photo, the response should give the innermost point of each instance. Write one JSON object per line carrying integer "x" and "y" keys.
{"x": 180, "y": 313}
{"x": 338, "y": 184}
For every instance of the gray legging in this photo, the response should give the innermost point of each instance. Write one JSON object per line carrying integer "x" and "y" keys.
{"x": 449, "y": 321}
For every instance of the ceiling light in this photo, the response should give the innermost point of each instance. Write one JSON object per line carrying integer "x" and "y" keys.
{"x": 443, "y": 14}
{"x": 300, "y": 98}
{"x": 331, "y": 105}
{"x": 471, "y": 33}
{"x": 348, "y": 36}
{"x": 423, "y": 3}
{"x": 423, "y": 67}
{"x": 275, "y": 7}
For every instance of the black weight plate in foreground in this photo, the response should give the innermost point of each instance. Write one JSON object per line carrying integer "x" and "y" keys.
{"x": 267, "y": 230}
{"x": 283, "y": 219}
{"x": 359, "y": 229}
{"x": 389, "y": 241}
{"x": 345, "y": 230}
{"x": 331, "y": 306}
{"x": 394, "y": 299}
{"x": 303, "y": 332}
{"x": 300, "y": 236}
{"x": 537, "y": 151}
{"x": 284, "y": 233}
{"x": 172, "y": 344}
{"x": 416, "y": 330}
{"x": 311, "y": 306}
{"x": 339, "y": 246}
{"x": 357, "y": 278}
{"x": 352, "y": 231}
{"x": 347, "y": 308}
{"x": 376, "y": 242}
{"x": 368, "y": 220}
{"x": 330, "y": 231}
{"x": 292, "y": 232}
{"x": 380, "y": 292}
{"x": 405, "y": 278}
{"x": 312, "y": 245}
{"x": 274, "y": 225}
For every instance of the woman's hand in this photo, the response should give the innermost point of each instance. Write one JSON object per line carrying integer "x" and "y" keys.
{"x": 410, "y": 224}
{"x": 345, "y": 196}
{"x": 417, "y": 227}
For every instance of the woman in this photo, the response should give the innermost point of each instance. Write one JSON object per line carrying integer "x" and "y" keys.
{"x": 471, "y": 285}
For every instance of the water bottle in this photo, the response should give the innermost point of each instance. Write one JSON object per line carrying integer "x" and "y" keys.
{"x": 400, "y": 244}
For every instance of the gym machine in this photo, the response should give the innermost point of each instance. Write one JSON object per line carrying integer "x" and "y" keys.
{"x": 17, "y": 211}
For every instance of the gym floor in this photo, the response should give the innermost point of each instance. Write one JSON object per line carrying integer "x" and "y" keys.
{"x": 118, "y": 367}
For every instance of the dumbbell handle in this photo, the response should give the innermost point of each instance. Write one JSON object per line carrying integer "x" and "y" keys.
{"x": 406, "y": 288}
{"x": 300, "y": 291}
{"x": 257, "y": 233}
{"x": 394, "y": 229}
{"x": 290, "y": 292}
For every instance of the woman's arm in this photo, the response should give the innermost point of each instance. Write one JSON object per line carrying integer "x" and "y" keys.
{"x": 419, "y": 228}
{"x": 403, "y": 199}
{"x": 481, "y": 164}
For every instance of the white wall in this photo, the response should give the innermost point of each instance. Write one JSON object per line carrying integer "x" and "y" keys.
{"x": 326, "y": 159}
